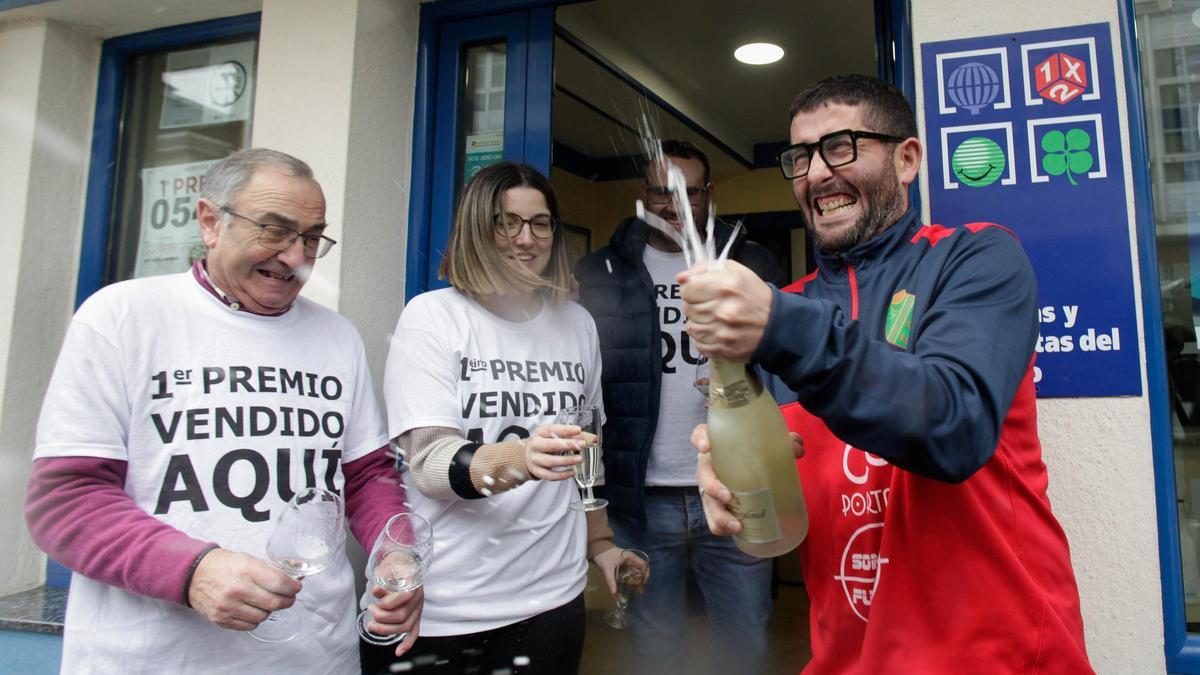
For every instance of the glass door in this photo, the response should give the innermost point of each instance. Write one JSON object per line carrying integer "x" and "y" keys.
{"x": 492, "y": 79}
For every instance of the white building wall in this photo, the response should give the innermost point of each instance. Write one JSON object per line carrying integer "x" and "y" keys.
{"x": 1098, "y": 450}
{"x": 47, "y": 88}
{"x": 335, "y": 88}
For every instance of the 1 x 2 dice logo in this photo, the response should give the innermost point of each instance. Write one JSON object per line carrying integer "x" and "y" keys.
{"x": 1061, "y": 77}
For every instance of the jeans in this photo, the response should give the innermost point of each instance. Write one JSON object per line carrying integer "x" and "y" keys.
{"x": 736, "y": 588}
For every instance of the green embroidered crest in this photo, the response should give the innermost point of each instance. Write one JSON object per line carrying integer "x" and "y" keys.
{"x": 899, "y": 319}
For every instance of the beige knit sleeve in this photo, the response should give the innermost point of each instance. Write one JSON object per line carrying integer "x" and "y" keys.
{"x": 599, "y": 535}
{"x": 430, "y": 451}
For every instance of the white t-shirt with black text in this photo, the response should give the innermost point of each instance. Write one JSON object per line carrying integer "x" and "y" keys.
{"x": 452, "y": 363}
{"x": 220, "y": 415}
{"x": 681, "y": 405}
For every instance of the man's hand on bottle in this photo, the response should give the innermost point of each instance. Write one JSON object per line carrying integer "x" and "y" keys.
{"x": 713, "y": 493}
{"x": 727, "y": 309}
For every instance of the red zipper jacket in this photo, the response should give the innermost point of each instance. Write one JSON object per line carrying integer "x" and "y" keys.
{"x": 932, "y": 547}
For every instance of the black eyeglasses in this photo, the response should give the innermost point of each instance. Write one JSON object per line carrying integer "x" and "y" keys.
{"x": 660, "y": 194}
{"x": 837, "y": 149}
{"x": 279, "y": 238}
{"x": 510, "y": 225}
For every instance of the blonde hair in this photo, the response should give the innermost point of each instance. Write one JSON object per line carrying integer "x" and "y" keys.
{"x": 474, "y": 265}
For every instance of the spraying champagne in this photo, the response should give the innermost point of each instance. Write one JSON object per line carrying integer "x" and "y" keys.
{"x": 752, "y": 455}
{"x": 751, "y": 447}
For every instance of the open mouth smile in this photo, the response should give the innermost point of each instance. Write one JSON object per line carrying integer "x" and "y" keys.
{"x": 275, "y": 275}
{"x": 833, "y": 204}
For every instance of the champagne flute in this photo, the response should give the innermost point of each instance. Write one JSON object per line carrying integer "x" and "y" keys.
{"x": 398, "y": 562}
{"x": 307, "y": 534}
{"x": 633, "y": 571}
{"x": 587, "y": 418}
{"x": 700, "y": 382}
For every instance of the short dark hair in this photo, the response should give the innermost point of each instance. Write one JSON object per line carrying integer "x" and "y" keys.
{"x": 683, "y": 150}
{"x": 885, "y": 109}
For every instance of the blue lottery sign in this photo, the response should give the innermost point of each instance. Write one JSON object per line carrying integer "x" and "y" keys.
{"x": 1022, "y": 130}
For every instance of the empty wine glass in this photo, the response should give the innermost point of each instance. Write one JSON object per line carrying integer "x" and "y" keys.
{"x": 307, "y": 534}
{"x": 587, "y": 418}
{"x": 633, "y": 571}
{"x": 398, "y": 562}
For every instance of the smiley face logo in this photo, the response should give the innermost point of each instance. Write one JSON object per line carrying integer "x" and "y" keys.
{"x": 978, "y": 161}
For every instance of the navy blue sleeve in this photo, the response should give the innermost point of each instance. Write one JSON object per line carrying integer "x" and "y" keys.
{"x": 936, "y": 410}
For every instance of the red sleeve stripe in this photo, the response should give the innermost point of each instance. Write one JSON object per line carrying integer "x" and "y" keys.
{"x": 798, "y": 285}
{"x": 933, "y": 233}
{"x": 983, "y": 225}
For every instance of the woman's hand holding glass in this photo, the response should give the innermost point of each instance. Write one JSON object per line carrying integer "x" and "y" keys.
{"x": 396, "y": 568}
{"x": 584, "y": 421}
{"x": 552, "y": 452}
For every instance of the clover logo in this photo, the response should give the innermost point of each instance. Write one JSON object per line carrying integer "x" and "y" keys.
{"x": 1067, "y": 153}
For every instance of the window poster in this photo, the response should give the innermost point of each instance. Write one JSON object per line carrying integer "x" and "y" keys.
{"x": 208, "y": 86}
{"x": 169, "y": 239}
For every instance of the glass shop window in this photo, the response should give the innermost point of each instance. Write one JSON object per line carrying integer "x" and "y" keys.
{"x": 183, "y": 110}
{"x": 1169, "y": 42}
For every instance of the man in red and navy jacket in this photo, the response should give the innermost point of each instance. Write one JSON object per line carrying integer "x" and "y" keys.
{"x": 932, "y": 547}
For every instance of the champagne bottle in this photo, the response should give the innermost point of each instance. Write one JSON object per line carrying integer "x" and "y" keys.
{"x": 752, "y": 455}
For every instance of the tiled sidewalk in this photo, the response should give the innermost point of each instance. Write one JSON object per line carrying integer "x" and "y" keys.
{"x": 31, "y": 631}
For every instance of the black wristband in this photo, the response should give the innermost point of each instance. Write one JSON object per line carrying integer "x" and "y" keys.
{"x": 187, "y": 582}
{"x": 460, "y": 472}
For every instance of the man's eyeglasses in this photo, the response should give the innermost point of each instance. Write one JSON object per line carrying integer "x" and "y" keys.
{"x": 279, "y": 238}
{"x": 510, "y": 225}
{"x": 660, "y": 194}
{"x": 837, "y": 149}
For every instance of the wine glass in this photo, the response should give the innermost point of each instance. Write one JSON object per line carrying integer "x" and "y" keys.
{"x": 700, "y": 382}
{"x": 633, "y": 571}
{"x": 587, "y": 418}
{"x": 307, "y": 535}
{"x": 397, "y": 563}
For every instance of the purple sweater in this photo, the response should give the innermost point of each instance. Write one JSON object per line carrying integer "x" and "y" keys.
{"x": 78, "y": 512}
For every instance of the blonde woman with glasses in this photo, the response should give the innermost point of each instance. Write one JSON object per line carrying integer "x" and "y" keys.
{"x": 476, "y": 374}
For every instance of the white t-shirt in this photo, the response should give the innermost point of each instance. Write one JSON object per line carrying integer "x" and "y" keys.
{"x": 217, "y": 412}
{"x": 452, "y": 363}
{"x": 681, "y": 405}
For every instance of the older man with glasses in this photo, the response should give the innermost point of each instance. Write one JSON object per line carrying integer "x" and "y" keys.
{"x": 932, "y": 547}
{"x": 183, "y": 414}
{"x": 650, "y": 367}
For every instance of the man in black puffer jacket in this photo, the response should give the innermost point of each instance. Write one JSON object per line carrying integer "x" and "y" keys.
{"x": 650, "y": 367}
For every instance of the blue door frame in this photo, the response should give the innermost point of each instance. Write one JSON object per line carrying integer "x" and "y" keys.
{"x": 446, "y": 27}
{"x": 1182, "y": 649}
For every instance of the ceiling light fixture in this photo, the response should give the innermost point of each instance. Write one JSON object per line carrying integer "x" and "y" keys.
{"x": 758, "y": 53}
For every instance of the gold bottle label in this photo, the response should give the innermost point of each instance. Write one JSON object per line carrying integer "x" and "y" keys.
{"x": 735, "y": 395}
{"x": 756, "y": 512}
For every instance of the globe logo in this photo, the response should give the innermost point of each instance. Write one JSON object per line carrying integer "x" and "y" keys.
{"x": 973, "y": 86}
